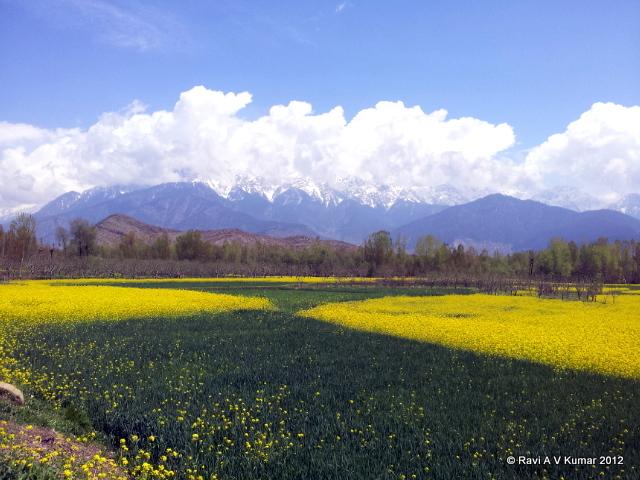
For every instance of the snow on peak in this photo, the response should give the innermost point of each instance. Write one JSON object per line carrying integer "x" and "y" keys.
{"x": 387, "y": 195}
{"x": 318, "y": 191}
{"x": 444, "y": 195}
{"x": 7, "y": 214}
{"x": 368, "y": 193}
{"x": 569, "y": 197}
{"x": 259, "y": 186}
{"x": 350, "y": 188}
{"x": 107, "y": 192}
{"x": 629, "y": 205}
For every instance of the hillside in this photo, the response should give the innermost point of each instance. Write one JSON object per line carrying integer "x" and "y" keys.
{"x": 111, "y": 230}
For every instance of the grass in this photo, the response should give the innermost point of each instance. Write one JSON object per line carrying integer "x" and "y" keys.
{"x": 268, "y": 394}
{"x": 40, "y": 412}
{"x": 36, "y": 472}
{"x": 37, "y": 412}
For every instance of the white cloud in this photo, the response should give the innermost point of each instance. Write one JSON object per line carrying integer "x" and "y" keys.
{"x": 23, "y": 133}
{"x": 599, "y": 153}
{"x": 205, "y": 137}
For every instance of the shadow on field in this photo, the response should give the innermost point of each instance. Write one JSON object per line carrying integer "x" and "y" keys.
{"x": 294, "y": 297}
{"x": 316, "y": 400}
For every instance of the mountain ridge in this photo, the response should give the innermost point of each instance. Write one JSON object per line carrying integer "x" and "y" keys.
{"x": 185, "y": 205}
{"x": 519, "y": 224}
{"x": 112, "y": 229}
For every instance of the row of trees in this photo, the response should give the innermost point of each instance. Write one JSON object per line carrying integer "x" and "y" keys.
{"x": 317, "y": 258}
{"x": 607, "y": 261}
{"x": 380, "y": 255}
{"x": 19, "y": 242}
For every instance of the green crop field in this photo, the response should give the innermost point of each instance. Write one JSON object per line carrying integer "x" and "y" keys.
{"x": 236, "y": 393}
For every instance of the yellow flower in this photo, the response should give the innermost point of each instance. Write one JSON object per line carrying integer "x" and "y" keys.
{"x": 588, "y": 336}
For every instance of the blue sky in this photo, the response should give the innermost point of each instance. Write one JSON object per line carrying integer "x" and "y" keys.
{"x": 537, "y": 99}
{"x": 535, "y": 65}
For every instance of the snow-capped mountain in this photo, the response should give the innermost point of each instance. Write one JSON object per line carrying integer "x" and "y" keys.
{"x": 300, "y": 206}
{"x": 62, "y": 203}
{"x": 349, "y": 210}
{"x": 354, "y": 189}
{"x": 8, "y": 214}
{"x": 385, "y": 196}
{"x": 180, "y": 206}
{"x": 75, "y": 200}
{"x": 575, "y": 199}
{"x": 257, "y": 186}
{"x": 629, "y": 205}
{"x": 319, "y": 191}
{"x": 369, "y": 194}
{"x": 569, "y": 197}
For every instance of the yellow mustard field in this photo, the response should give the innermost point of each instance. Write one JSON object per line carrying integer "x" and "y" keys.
{"x": 596, "y": 337}
{"x": 44, "y": 302}
{"x": 622, "y": 289}
{"x": 33, "y": 303}
{"x": 36, "y": 302}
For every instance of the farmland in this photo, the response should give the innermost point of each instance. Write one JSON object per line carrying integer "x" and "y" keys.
{"x": 295, "y": 378}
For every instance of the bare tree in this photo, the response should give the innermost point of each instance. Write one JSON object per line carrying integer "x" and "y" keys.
{"x": 62, "y": 237}
{"x": 21, "y": 238}
{"x": 83, "y": 237}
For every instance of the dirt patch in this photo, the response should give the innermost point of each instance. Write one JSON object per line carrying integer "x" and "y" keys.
{"x": 35, "y": 444}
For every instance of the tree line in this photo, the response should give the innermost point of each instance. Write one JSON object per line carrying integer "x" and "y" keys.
{"x": 379, "y": 255}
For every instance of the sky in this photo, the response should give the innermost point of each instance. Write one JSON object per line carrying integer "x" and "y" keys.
{"x": 512, "y": 96}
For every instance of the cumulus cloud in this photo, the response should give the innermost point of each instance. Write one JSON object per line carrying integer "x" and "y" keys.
{"x": 205, "y": 137}
{"x": 598, "y": 153}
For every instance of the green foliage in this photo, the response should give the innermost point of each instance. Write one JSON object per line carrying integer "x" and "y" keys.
{"x": 35, "y": 472}
{"x": 83, "y": 237}
{"x": 76, "y": 416}
{"x": 129, "y": 246}
{"x": 39, "y": 412}
{"x": 161, "y": 248}
{"x": 378, "y": 250}
{"x": 191, "y": 246}
{"x": 429, "y": 251}
{"x": 556, "y": 259}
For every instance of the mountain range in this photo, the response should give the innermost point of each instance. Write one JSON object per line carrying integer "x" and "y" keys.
{"x": 351, "y": 213}
{"x": 289, "y": 211}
